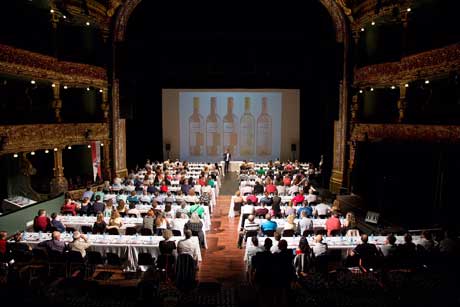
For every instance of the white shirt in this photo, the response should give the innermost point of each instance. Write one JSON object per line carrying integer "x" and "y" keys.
{"x": 322, "y": 209}
{"x": 187, "y": 246}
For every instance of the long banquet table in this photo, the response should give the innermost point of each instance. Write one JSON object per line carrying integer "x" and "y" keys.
{"x": 126, "y": 247}
{"x": 337, "y": 243}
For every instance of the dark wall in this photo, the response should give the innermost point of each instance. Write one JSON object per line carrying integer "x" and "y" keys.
{"x": 239, "y": 47}
{"x": 412, "y": 184}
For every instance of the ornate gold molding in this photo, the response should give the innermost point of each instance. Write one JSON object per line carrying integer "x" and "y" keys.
{"x": 18, "y": 62}
{"x": 364, "y": 11}
{"x": 22, "y": 138}
{"x": 430, "y": 64}
{"x": 406, "y": 132}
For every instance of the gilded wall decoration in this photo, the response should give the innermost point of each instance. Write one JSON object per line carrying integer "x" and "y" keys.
{"x": 429, "y": 64}
{"x": 23, "y": 138}
{"x": 14, "y": 61}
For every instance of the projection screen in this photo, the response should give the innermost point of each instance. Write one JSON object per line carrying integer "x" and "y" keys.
{"x": 256, "y": 125}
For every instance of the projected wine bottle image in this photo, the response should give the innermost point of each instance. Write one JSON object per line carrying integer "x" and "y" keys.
{"x": 230, "y": 128}
{"x": 196, "y": 130}
{"x": 213, "y": 131}
{"x": 247, "y": 130}
{"x": 264, "y": 131}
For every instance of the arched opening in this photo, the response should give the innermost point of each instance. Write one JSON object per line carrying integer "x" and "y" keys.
{"x": 269, "y": 47}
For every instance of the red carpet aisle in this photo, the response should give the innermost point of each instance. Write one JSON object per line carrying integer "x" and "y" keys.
{"x": 223, "y": 260}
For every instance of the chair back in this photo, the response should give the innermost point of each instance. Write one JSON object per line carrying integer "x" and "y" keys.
{"x": 113, "y": 231}
{"x": 130, "y": 231}
{"x": 86, "y": 229}
{"x": 176, "y": 233}
{"x": 145, "y": 259}
{"x": 146, "y": 232}
{"x": 113, "y": 259}
{"x": 269, "y": 233}
{"x": 288, "y": 233}
{"x": 94, "y": 258}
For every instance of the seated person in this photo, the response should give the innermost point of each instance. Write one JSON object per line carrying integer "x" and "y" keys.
{"x": 88, "y": 193}
{"x": 322, "y": 210}
{"x": 41, "y": 221}
{"x": 79, "y": 244}
{"x": 268, "y": 225}
{"x": 56, "y": 223}
{"x": 258, "y": 188}
{"x": 305, "y": 223}
{"x": 366, "y": 252}
{"x": 145, "y": 197}
{"x": 252, "y": 198}
{"x": 196, "y": 226}
{"x": 132, "y": 210}
{"x": 99, "y": 225}
{"x": 167, "y": 246}
{"x": 115, "y": 220}
{"x": 54, "y": 245}
{"x": 261, "y": 211}
{"x": 133, "y": 198}
{"x": 69, "y": 207}
{"x": 149, "y": 220}
{"x": 305, "y": 207}
{"x": 198, "y": 208}
{"x": 290, "y": 223}
{"x": 266, "y": 199}
{"x": 98, "y": 206}
{"x": 389, "y": 248}
{"x": 319, "y": 247}
{"x": 298, "y": 199}
{"x": 85, "y": 207}
{"x": 333, "y": 224}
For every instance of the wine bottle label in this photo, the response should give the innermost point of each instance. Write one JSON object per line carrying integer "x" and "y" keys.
{"x": 195, "y": 131}
{"x": 211, "y": 134}
{"x": 228, "y": 131}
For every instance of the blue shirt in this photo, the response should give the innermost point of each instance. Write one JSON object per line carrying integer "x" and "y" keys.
{"x": 268, "y": 225}
{"x": 307, "y": 209}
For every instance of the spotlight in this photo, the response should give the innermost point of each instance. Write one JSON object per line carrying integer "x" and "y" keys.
{"x": 15, "y": 155}
{"x": 373, "y": 23}
{"x": 32, "y": 153}
{"x": 360, "y": 91}
{"x": 66, "y": 87}
{"x": 406, "y": 85}
{"x": 102, "y": 144}
{"x": 427, "y": 81}
{"x": 372, "y": 89}
{"x": 69, "y": 147}
{"x": 47, "y": 151}
{"x": 51, "y": 11}
{"x": 53, "y": 85}
{"x": 100, "y": 91}
{"x": 55, "y": 149}
{"x": 409, "y": 9}
{"x": 393, "y": 87}
{"x": 64, "y": 16}
{"x": 88, "y": 89}
{"x": 89, "y": 146}
{"x": 32, "y": 82}
{"x": 88, "y": 24}
{"x": 362, "y": 29}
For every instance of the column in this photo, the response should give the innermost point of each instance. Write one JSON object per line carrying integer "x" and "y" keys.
{"x": 59, "y": 183}
{"x": 354, "y": 110}
{"x": 402, "y": 103}
{"x": 56, "y": 104}
{"x": 404, "y": 22}
{"x": 106, "y": 167}
{"x": 105, "y": 104}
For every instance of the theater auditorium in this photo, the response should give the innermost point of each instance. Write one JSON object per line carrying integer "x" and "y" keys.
{"x": 168, "y": 153}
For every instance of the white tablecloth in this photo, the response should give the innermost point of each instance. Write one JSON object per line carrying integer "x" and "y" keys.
{"x": 126, "y": 247}
{"x": 231, "y": 212}
{"x": 341, "y": 243}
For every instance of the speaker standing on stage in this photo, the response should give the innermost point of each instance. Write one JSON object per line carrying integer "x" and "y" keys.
{"x": 227, "y": 158}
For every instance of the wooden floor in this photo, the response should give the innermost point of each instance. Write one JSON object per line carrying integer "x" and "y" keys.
{"x": 223, "y": 260}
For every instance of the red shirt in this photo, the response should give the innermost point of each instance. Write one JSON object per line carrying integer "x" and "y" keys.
{"x": 332, "y": 223}
{"x": 70, "y": 207}
{"x": 202, "y": 182}
{"x": 286, "y": 181}
{"x": 252, "y": 198}
{"x": 298, "y": 199}
{"x": 3, "y": 247}
{"x": 270, "y": 188}
{"x": 41, "y": 223}
{"x": 164, "y": 188}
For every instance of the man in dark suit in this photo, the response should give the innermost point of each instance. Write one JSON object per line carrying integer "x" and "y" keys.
{"x": 227, "y": 158}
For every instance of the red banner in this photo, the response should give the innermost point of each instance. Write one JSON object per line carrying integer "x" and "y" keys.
{"x": 96, "y": 157}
